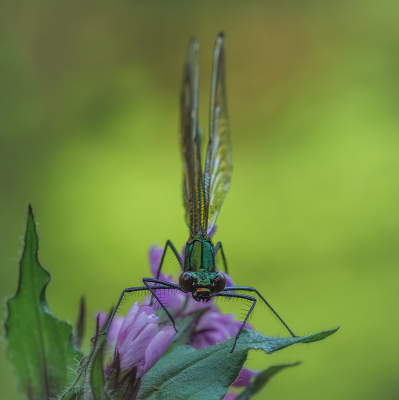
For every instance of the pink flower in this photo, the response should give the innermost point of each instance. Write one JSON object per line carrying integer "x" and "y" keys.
{"x": 244, "y": 377}
{"x": 230, "y": 396}
{"x": 155, "y": 255}
{"x": 215, "y": 327}
{"x": 113, "y": 329}
{"x": 139, "y": 344}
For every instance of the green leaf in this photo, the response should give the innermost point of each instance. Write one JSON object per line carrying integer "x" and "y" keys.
{"x": 79, "y": 388}
{"x": 80, "y": 327}
{"x": 97, "y": 381}
{"x": 208, "y": 373}
{"x": 253, "y": 340}
{"x": 260, "y": 381}
{"x": 193, "y": 375}
{"x": 39, "y": 344}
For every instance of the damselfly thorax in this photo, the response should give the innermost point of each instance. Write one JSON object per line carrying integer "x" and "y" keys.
{"x": 200, "y": 276}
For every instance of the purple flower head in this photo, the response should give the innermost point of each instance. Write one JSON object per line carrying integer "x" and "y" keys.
{"x": 113, "y": 329}
{"x": 215, "y": 327}
{"x": 155, "y": 256}
{"x": 139, "y": 344}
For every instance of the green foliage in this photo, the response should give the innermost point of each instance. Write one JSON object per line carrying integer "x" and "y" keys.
{"x": 208, "y": 372}
{"x": 80, "y": 327}
{"x": 39, "y": 344}
{"x": 253, "y": 340}
{"x": 260, "y": 381}
{"x": 211, "y": 371}
{"x": 89, "y": 377}
{"x": 97, "y": 381}
{"x": 42, "y": 351}
{"x": 203, "y": 374}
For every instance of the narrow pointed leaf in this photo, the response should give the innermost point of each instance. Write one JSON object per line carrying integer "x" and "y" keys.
{"x": 260, "y": 381}
{"x": 253, "y": 340}
{"x": 97, "y": 381}
{"x": 39, "y": 344}
{"x": 80, "y": 327}
{"x": 79, "y": 387}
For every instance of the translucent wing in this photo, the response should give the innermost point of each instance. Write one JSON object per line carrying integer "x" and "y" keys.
{"x": 193, "y": 191}
{"x": 218, "y": 166}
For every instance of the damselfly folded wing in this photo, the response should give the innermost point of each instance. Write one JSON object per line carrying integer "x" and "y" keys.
{"x": 218, "y": 165}
{"x": 193, "y": 191}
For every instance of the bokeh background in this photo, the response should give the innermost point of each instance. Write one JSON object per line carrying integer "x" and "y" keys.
{"x": 89, "y": 116}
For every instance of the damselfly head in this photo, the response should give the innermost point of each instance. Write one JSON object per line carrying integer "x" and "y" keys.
{"x": 202, "y": 284}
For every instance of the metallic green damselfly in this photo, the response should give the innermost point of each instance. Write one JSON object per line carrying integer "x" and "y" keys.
{"x": 203, "y": 193}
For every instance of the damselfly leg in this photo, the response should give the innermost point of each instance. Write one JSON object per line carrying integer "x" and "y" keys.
{"x": 158, "y": 285}
{"x": 220, "y": 258}
{"x": 239, "y": 296}
{"x": 251, "y": 289}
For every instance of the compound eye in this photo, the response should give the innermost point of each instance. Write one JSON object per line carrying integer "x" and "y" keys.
{"x": 186, "y": 282}
{"x": 219, "y": 282}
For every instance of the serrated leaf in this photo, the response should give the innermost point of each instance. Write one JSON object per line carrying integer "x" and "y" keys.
{"x": 261, "y": 379}
{"x": 39, "y": 344}
{"x": 253, "y": 340}
{"x": 97, "y": 381}
{"x": 208, "y": 373}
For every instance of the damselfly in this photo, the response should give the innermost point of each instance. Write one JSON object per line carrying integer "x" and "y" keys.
{"x": 203, "y": 194}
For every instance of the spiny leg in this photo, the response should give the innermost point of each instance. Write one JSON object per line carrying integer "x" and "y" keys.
{"x": 135, "y": 289}
{"x": 218, "y": 248}
{"x": 127, "y": 290}
{"x": 251, "y": 289}
{"x": 166, "y": 285}
{"x": 239, "y": 296}
{"x": 176, "y": 253}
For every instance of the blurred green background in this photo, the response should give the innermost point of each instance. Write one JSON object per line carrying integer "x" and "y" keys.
{"x": 89, "y": 117}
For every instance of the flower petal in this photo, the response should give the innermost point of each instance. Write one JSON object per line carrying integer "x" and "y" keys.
{"x": 156, "y": 348}
{"x": 114, "y": 329}
{"x": 133, "y": 353}
{"x": 141, "y": 321}
{"x": 230, "y": 396}
{"x": 229, "y": 280}
{"x": 155, "y": 255}
{"x": 149, "y": 311}
{"x": 103, "y": 317}
{"x": 131, "y": 315}
{"x": 244, "y": 377}
{"x": 212, "y": 231}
